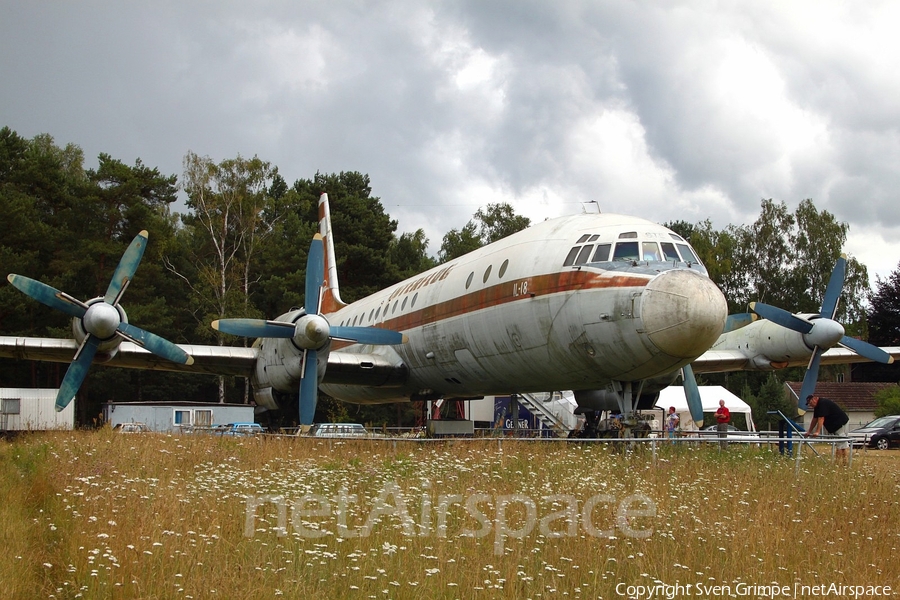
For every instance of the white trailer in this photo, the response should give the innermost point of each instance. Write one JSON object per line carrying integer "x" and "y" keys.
{"x": 24, "y": 409}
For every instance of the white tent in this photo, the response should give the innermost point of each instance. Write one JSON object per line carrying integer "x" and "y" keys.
{"x": 709, "y": 397}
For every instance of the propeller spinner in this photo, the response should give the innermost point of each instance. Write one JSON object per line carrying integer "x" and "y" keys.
{"x": 102, "y": 320}
{"x": 822, "y": 332}
{"x": 311, "y": 332}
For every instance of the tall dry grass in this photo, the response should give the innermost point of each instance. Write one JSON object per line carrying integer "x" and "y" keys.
{"x": 99, "y": 514}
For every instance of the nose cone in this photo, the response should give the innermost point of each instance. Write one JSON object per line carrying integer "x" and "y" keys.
{"x": 683, "y": 312}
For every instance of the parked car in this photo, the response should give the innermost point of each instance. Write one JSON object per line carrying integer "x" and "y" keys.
{"x": 241, "y": 429}
{"x": 882, "y": 433}
{"x": 711, "y": 434}
{"x": 133, "y": 427}
{"x": 338, "y": 430}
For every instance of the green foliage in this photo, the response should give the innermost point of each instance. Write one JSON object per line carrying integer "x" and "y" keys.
{"x": 498, "y": 221}
{"x": 488, "y": 225}
{"x": 888, "y": 401}
{"x": 884, "y": 311}
{"x": 68, "y": 227}
{"x": 409, "y": 254}
{"x": 363, "y": 232}
{"x": 458, "y": 242}
{"x": 771, "y": 397}
{"x": 784, "y": 259}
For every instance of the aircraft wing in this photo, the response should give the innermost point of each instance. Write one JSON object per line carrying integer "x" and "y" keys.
{"x": 212, "y": 360}
{"x": 718, "y": 361}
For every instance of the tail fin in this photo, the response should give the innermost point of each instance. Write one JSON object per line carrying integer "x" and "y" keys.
{"x": 331, "y": 299}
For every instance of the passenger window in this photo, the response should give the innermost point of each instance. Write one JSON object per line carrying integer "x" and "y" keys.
{"x": 669, "y": 251}
{"x": 487, "y": 273}
{"x": 413, "y": 303}
{"x": 584, "y": 255}
{"x": 602, "y": 253}
{"x": 687, "y": 255}
{"x": 650, "y": 251}
{"x": 626, "y": 251}
{"x": 403, "y": 307}
{"x": 469, "y": 280}
{"x": 570, "y": 258}
{"x": 503, "y": 267}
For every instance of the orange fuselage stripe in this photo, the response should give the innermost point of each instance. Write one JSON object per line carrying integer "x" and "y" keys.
{"x": 500, "y": 294}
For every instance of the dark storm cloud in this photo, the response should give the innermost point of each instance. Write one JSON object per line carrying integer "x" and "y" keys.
{"x": 669, "y": 111}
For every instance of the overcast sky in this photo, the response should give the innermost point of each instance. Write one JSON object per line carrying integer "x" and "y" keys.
{"x": 664, "y": 110}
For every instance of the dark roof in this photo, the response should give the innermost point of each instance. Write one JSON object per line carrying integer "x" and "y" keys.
{"x": 177, "y": 403}
{"x": 849, "y": 396}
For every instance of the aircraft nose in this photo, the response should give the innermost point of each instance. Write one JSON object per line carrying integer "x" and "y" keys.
{"x": 683, "y": 312}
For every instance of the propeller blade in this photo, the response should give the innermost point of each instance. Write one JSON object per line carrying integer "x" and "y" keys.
{"x": 258, "y": 328}
{"x": 810, "y": 379}
{"x": 309, "y": 388}
{"x": 315, "y": 274}
{"x": 155, "y": 344}
{"x": 77, "y": 371}
{"x": 48, "y": 295}
{"x": 692, "y": 393}
{"x": 834, "y": 289}
{"x": 867, "y": 350}
{"x": 128, "y": 264}
{"x": 781, "y": 317}
{"x": 369, "y": 335}
{"x": 738, "y": 320}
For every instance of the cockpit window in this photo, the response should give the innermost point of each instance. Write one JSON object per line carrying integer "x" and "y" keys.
{"x": 676, "y": 237}
{"x": 570, "y": 257}
{"x": 687, "y": 255}
{"x": 583, "y": 238}
{"x": 584, "y": 255}
{"x": 650, "y": 251}
{"x": 626, "y": 251}
{"x": 602, "y": 253}
{"x": 669, "y": 251}
{"x": 628, "y": 235}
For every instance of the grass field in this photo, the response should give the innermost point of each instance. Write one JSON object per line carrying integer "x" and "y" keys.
{"x": 96, "y": 514}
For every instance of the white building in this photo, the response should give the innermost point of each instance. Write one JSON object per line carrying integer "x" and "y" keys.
{"x": 24, "y": 409}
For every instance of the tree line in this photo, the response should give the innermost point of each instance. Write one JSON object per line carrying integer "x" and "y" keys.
{"x": 240, "y": 250}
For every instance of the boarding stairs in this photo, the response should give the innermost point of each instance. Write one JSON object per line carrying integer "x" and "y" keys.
{"x": 552, "y": 409}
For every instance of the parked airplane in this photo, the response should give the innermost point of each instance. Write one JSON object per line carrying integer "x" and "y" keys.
{"x": 610, "y": 306}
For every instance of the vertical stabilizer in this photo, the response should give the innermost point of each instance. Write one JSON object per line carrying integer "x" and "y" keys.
{"x": 331, "y": 299}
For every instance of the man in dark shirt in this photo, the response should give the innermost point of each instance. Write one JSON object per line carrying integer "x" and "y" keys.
{"x": 828, "y": 415}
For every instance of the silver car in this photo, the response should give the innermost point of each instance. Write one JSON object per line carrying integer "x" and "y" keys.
{"x": 338, "y": 430}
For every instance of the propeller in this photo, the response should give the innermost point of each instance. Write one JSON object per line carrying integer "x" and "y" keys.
{"x": 311, "y": 331}
{"x": 689, "y": 381}
{"x": 822, "y": 332}
{"x": 102, "y": 319}
{"x": 692, "y": 394}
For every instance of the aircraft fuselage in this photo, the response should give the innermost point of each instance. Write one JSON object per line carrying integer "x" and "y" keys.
{"x": 571, "y": 303}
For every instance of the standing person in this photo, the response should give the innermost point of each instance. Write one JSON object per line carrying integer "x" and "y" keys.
{"x": 827, "y": 414}
{"x": 723, "y": 418}
{"x": 672, "y": 421}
